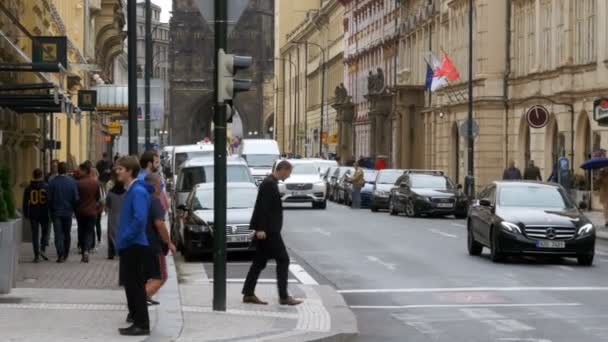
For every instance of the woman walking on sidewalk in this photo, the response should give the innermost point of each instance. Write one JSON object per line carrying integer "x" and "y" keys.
{"x": 113, "y": 206}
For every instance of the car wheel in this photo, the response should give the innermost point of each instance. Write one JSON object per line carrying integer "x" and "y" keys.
{"x": 373, "y": 208}
{"x": 391, "y": 209}
{"x": 495, "y": 253}
{"x": 410, "y": 209}
{"x": 473, "y": 246}
{"x": 322, "y": 205}
{"x": 585, "y": 260}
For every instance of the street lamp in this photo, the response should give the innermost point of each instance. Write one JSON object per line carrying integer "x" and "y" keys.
{"x": 296, "y": 68}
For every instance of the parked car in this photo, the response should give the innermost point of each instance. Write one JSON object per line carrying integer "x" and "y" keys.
{"x": 260, "y": 154}
{"x": 329, "y": 179}
{"x": 381, "y": 191}
{"x": 305, "y": 185}
{"x": 335, "y": 179}
{"x": 366, "y": 192}
{"x": 342, "y": 187}
{"x": 196, "y": 228}
{"x": 530, "y": 218}
{"x": 201, "y": 170}
{"x": 427, "y": 193}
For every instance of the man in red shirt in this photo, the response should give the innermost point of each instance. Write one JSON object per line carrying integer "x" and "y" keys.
{"x": 87, "y": 209}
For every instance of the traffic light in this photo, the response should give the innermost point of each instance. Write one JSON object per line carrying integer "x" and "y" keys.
{"x": 227, "y": 85}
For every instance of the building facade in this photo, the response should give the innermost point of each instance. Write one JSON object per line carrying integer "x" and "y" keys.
{"x": 191, "y": 68}
{"x": 94, "y": 38}
{"x": 312, "y": 55}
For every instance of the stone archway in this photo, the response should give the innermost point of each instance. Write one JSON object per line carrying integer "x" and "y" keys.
{"x": 554, "y": 144}
{"x": 583, "y": 140}
{"x": 269, "y": 126}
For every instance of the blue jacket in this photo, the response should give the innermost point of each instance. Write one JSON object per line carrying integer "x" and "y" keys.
{"x": 63, "y": 196}
{"x": 134, "y": 217}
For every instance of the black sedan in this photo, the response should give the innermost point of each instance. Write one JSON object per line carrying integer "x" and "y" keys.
{"x": 515, "y": 218}
{"x": 196, "y": 229}
{"x": 427, "y": 194}
{"x": 381, "y": 190}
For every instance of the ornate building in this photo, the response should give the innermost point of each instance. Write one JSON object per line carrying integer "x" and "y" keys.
{"x": 370, "y": 41}
{"x": 191, "y": 68}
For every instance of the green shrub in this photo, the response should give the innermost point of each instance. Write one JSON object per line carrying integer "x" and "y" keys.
{"x": 3, "y": 211}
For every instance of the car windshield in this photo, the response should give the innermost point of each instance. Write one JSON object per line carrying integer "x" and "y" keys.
{"x": 234, "y": 174}
{"x": 261, "y": 160}
{"x": 533, "y": 197}
{"x": 304, "y": 169}
{"x": 190, "y": 176}
{"x": 369, "y": 176}
{"x": 389, "y": 177}
{"x": 430, "y": 182}
{"x": 235, "y": 199}
{"x": 181, "y": 157}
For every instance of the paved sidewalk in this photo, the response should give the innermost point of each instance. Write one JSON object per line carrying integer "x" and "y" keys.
{"x": 597, "y": 218}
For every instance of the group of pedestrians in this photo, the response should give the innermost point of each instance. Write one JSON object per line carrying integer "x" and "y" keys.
{"x": 532, "y": 172}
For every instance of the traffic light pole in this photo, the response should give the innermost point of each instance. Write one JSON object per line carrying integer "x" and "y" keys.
{"x": 148, "y": 72}
{"x": 132, "y": 63}
{"x": 470, "y": 188}
{"x": 219, "y": 211}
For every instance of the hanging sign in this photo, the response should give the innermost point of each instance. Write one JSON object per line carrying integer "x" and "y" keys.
{"x": 51, "y": 50}
{"x": 600, "y": 111}
{"x": 87, "y": 100}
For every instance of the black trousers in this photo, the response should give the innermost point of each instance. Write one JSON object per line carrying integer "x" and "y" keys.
{"x": 132, "y": 262}
{"x": 39, "y": 241}
{"x": 271, "y": 248}
{"x": 86, "y": 232}
{"x": 62, "y": 227}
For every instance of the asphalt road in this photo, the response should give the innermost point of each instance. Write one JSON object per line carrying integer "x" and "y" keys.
{"x": 412, "y": 280}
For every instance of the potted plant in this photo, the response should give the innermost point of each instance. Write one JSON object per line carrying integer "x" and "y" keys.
{"x": 10, "y": 239}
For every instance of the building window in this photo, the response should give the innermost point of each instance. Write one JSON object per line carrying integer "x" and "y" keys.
{"x": 585, "y": 31}
{"x": 524, "y": 36}
{"x": 560, "y": 32}
{"x": 546, "y": 13}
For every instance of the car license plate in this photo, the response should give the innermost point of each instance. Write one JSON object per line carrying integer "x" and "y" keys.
{"x": 550, "y": 244}
{"x": 297, "y": 193}
{"x": 238, "y": 238}
{"x": 445, "y": 205}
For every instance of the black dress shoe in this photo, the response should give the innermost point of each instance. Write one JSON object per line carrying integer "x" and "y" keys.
{"x": 129, "y": 318}
{"x": 60, "y": 259}
{"x": 134, "y": 331}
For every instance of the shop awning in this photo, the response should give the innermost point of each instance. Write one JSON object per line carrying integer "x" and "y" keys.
{"x": 37, "y": 98}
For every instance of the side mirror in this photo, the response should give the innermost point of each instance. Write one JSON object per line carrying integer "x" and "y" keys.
{"x": 583, "y": 205}
{"x": 182, "y": 207}
{"x": 485, "y": 202}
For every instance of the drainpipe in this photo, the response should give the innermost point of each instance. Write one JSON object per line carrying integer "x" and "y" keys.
{"x": 505, "y": 84}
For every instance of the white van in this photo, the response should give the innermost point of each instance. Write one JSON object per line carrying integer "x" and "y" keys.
{"x": 182, "y": 153}
{"x": 260, "y": 154}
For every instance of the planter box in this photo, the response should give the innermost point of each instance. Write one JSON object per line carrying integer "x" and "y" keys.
{"x": 10, "y": 242}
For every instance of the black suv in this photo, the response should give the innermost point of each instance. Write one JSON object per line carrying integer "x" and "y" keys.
{"x": 427, "y": 193}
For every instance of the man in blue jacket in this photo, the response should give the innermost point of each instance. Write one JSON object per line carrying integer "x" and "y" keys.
{"x": 132, "y": 244}
{"x": 63, "y": 197}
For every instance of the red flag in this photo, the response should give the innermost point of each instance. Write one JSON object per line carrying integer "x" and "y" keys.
{"x": 447, "y": 69}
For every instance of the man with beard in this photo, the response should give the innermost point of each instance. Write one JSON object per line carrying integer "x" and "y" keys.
{"x": 149, "y": 163}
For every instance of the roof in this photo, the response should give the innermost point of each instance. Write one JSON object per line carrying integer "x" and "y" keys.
{"x": 193, "y": 147}
{"x": 525, "y": 182}
{"x": 240, "y": 185}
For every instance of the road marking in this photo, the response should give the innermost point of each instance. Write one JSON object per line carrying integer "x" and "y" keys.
{"x": 322, "y": 231}
{"x": 385, "y": 264}
{"x": 242, "y": 280}
{"x": 508, "y": 325}
{"x": 602, "y": 253}
{"x": 437, "y": 231}
{"x": 479, "y": 313}
{"x": 450, "y": 306}
{"x": 459, "y": 225}
{"x": 422, "y": 327}
{"x": 303, "y": 276}
{"x": 566, "y": 268}
{"x": 517, "y": 339}
{"x": 477, "y": 289}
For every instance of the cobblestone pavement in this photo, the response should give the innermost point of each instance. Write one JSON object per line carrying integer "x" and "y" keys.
{"x": 99, "y": 273}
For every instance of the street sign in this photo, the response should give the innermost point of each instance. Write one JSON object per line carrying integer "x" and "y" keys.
{"x": 463, "y": 130}
{"x": 114, "y": 128}
{"x": 51, "y": 50}
{"x": 235, "y": 10}
{"x": 600, "y": 111}
{"x": 537, "y": 116}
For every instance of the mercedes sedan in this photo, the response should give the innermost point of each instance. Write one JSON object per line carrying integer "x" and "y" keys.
{"x": 515, "y": 218}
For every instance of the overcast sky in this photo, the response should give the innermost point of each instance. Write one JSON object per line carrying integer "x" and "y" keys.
{"x": 166, "y": 5}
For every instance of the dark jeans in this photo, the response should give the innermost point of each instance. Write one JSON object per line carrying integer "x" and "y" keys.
{"x": 97, "y": 229}
{"x": 86, "y": 232}
{"x": 356, "y": 197}
{"x": 39, "y": 241}
{"x": 62, "y": 227}
{"x": 271, "y": 248}
{"x": 132, "y": 261}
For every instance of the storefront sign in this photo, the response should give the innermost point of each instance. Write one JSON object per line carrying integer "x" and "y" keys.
{"x": 114, "y": 128}
{"x": 600, "y": 111}
{"x": 333, "y": 139}
{"x": 51, "y": 50}
{"x": 537, "y": 116}
{"x": 87, "y": 100}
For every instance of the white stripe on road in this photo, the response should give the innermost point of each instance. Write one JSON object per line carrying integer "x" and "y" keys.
{"x": 566, "y": 268}
{"x": 449, "y": 306}
{"x": 437, "y": 231}
{"x": 477, "y": 289}
{"x": 459, "y": 225}
{"x": 508, "y": 325}
{"x": 322, "y": 231}
{"x": 479, "y": 313}
{"x": 242, "y": 280}
{"x": 378, "y": 261}
{"x": 303, "y": 276}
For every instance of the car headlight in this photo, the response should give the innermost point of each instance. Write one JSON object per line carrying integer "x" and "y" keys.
{"x": 510, "y": 227}
{"x": 198, "y": 228}
{"x": 321, "y": 183}
{"x": 586, "y": 229}
{"x": 381, "y": 193}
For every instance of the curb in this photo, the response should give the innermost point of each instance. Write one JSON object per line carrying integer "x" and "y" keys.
{"x": 169, "y": 318}
{"x": 343, "y": 320}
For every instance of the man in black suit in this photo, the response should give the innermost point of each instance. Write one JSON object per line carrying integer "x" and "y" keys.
{"x": 267, "y": 221}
